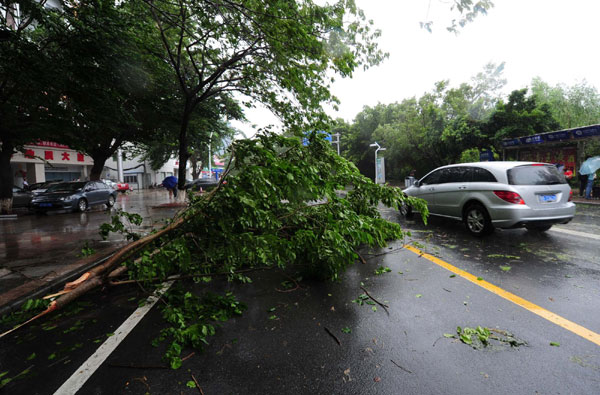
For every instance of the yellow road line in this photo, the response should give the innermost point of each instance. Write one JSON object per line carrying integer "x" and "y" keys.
{"x": 542, "y": 312}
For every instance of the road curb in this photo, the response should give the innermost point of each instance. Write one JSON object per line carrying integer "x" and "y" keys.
{"x": 55, "y": 284}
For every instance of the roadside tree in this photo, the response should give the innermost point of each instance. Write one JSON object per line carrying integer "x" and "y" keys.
{"x": 281, "y": 54}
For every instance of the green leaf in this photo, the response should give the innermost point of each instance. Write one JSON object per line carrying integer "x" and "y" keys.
{"x": 191, "y": 384}
{"x": 452, "y": 275}
{"x": 479, "y": 278}
{"x": 346, "y": 330}
{"x": 505, "y": 268}
{"x": 418, "y": 296}
{"x": 448, "y": 335}
{"x": 555, "y": 344}
{"x": 29, "y": 358}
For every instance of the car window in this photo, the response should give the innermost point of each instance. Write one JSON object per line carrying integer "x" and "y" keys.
{"x": 17, "y": 190}
{"x": 66, "y": 187}
{"x": 455, "y": 174}
{"x": 535, "y": 175}
{"x": 482, "y": 175}
{"x": 432, "y": 178}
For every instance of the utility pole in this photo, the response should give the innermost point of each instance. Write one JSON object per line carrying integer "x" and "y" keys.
{"x": 209, "y": 155}
{"x": 120, "y": 164}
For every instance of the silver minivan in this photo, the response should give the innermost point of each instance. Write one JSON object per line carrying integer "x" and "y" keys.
{"x": 485, "y": 195}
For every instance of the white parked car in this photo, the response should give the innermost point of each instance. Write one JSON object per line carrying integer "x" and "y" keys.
{"x": 110, "y": 183}
{"x": 485, "y": 195}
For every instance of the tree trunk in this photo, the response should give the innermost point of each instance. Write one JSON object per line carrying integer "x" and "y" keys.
{"x": 196, "y": 165}
{"x": 6, "y": 177}
{"x": 99, "y": 160}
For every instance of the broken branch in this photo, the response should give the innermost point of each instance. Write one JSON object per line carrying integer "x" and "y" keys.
{"x": 385, "y": 307}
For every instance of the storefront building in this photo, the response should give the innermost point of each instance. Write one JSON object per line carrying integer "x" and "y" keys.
{"x": 49, "y": 161}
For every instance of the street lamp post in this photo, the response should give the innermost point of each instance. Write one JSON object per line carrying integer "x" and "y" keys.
{"x": 378, "y": 175}
{"x": 337, "y": 142}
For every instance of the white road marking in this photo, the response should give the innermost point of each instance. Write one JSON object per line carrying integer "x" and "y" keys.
{"x": 85, "y": 371}
{"x": 575, "y": 233}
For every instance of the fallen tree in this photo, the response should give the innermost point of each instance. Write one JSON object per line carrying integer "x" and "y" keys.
{"x": 280, "y": 204}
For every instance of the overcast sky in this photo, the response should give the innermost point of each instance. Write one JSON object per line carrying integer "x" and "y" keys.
{"x": 553, "y": 39}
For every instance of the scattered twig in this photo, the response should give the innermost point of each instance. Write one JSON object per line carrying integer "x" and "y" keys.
{"x": 188, "y": 357}
{"x": 363, "y": 261}
{"x": 385, "y": 307}
{"x": 291, "y": 289}
{"x": 197, "y": 385}
{"x": 332, "y": 335}
{"x": 447, "y": 290}
{"x": 406, "y": 370}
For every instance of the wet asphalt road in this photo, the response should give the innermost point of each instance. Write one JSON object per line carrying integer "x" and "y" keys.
{"x": 36, "y": 249}
{"x": 404, "y": 352}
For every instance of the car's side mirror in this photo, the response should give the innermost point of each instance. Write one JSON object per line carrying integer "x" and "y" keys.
{"x": 417, "y": 183}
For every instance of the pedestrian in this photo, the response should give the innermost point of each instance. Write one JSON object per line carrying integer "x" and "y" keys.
{"x": 568, "y": 173}
{"x": 590, "y": 184}
{"x": 170, "y": 183}
{"x": 582, "y": 183}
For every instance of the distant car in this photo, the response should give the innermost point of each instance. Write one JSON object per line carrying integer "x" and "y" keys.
{"x": 74, "y": 196}
{"x": 21, "y": 197}
{"x": 110, "y": 183}
{"x": 485, "y": 195}
{"x": 123, "y": 187}
{"x": 204, "y": 183}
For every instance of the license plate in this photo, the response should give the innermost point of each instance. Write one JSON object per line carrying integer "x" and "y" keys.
{"x": 548, "y": 198}
{"x": 45, "y": 204}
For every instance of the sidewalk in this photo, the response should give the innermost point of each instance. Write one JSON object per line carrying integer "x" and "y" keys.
{"x": 40, "y": 253}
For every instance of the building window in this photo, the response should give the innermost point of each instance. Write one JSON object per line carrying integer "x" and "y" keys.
{"x": 131, "y": 179}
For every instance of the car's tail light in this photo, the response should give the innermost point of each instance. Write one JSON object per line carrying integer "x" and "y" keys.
{"x": 570, "y": 195}
{"x": 511, "y": 197}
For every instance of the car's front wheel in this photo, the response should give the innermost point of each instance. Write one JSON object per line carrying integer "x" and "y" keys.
{"x": 538, "y": 228}
{"x": 111, "y": 201}
{"x": 82, "y": 205}
{"x": 406, "y": 210}
{"x": 477, "y": 220}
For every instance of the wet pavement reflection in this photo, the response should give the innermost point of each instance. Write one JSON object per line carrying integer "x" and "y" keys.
{"x": 36, "y": 249}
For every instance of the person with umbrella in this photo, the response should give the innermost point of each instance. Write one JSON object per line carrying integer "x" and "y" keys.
{"x": 589, "y": 168}
{"x": 171, "y": 184}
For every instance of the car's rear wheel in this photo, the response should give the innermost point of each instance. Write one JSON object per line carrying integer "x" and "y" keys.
{"x": 538, "y": 228}
{"x": 111, "y": 201}
{"x": 477, "y": 220}
{"x": 406, "y": 210}
{"x": 82, "y": 205}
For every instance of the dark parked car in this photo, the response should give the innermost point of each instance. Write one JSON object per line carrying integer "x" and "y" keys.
{"x": 75, "y": 196}
{"x": 21, "y": 197}
{"x": 204, "y": 183}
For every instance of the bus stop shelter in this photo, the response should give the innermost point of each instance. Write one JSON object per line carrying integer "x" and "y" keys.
{"x": 565, "y": 147}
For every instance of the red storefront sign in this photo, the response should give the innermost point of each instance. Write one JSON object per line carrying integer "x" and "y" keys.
{"x": 49, "y": 155}
{"x": 51, "y": 144}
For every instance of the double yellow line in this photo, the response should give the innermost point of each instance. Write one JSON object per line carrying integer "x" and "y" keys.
{"x": 535, "y": 309}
